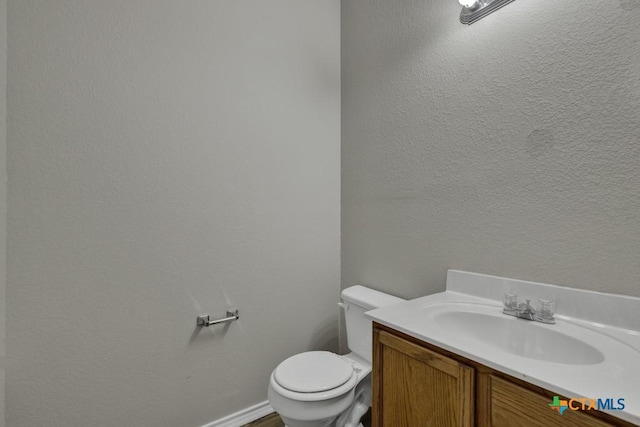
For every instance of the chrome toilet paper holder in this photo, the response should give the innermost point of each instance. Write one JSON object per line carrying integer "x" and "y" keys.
{"x": 204, "y": 320}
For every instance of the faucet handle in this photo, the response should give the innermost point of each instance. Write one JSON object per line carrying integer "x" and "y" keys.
{"x": 546, "y": 308}
{"x": 545, "y": 312}
{"x": 510, "y": 302}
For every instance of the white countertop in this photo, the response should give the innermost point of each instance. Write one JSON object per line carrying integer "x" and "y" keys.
{"x": 617, "y": 376}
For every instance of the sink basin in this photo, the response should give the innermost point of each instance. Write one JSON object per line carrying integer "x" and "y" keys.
{"x": 532, "y": 340}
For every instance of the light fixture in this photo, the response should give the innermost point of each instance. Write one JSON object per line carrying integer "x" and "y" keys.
{"x": 473, "y": 10}
{"x": 468, "y": 3}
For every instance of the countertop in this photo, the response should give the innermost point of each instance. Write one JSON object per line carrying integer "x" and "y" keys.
{"x": 617, "y": 376}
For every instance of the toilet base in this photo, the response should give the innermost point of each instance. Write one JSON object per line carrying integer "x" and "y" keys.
{"x": 350, "y": 416}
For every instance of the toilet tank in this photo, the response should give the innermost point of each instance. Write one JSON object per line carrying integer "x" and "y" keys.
{"x": 356, "y": 300}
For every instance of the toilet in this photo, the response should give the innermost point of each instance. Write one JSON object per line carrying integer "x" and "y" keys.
{"x": 323, "y": 389}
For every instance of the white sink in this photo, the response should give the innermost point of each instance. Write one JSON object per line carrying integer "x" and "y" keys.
{"x": 520, "y": 337}
{"x": 592, "y": 351}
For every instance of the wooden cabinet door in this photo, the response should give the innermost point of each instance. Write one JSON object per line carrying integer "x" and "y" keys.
{"x": 416, "y": 387}
{"x": 510, "y": 405}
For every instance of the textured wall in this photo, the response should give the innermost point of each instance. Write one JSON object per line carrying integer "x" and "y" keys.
{"x": 3, "y": 197}
{"x": 509, "y": 147}
{"x": 167, "y": 158}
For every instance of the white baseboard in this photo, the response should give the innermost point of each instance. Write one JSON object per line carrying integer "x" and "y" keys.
{"x": 243, "y": 417}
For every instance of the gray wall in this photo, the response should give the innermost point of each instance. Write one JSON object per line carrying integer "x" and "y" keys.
{"x": 508, "y": 147}
{"x": 167, "y": 158}
{"x": 3, "y": 197}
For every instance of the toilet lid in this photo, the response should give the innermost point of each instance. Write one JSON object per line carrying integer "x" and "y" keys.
{"x": 312, "y": 372}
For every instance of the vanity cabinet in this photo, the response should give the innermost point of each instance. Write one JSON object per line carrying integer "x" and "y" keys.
{"x": 414, "y": 386}
{"x": 511, "y": 405}
{"x": 418, "y": 384}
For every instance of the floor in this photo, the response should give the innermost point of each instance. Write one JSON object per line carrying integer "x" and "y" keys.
{"x": 274, "y": 420}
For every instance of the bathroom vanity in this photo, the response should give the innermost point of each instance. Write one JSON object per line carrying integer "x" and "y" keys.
{"x": 418, "y": 384}
{"x": 453, "y": 359}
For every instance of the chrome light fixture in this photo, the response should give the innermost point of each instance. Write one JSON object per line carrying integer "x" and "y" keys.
{"x": 473, "y": 10}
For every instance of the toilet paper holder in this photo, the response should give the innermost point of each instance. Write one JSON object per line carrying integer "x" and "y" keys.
{"x": 204, "y": 320}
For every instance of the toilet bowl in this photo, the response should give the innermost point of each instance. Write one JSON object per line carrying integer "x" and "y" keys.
{"x": 323, "y": 389}
{"x": 315, "y": 388}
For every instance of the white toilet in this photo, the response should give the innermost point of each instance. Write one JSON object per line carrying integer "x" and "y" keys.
{"x": 322, "y": 389}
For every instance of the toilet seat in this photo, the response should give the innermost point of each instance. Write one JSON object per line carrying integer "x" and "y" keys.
{"x": 323, "y": 375}
{"x": 313, "y": 397}
{"x": 312, "y": 372}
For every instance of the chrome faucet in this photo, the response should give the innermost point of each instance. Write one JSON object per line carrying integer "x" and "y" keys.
{"x": 524, "y": 310}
